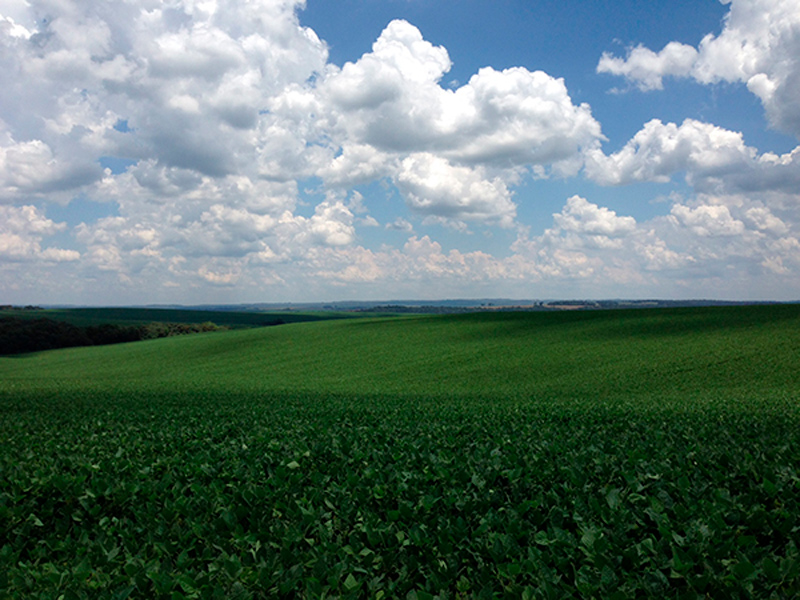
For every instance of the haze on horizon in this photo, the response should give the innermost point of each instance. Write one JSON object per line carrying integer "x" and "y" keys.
{"x": 213, "y": 151}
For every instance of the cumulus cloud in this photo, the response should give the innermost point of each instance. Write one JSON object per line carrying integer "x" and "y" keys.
{"x": 733, "y": 237}
{"x": 30, "y": 168}
{"x": 357, "y": 163}
{"x": 648, "y": 68}
{"x": 420, "y": 262}
{"x": 591, "y": 243}
{"x": 189, "y": 79}
{"x": 220, "y": 109}
{"x": 22, "y": 230}
{"x": 581, "y": 216}
{"x": 232, "y": 218}
{"x": 453, "y": 153}
{"x": 759, "y": 46}
{"x": 391, "y": 99}
{"x": 432, "y": 185}
{"x": 400, "y": 224}
{"x": 708, "y": 220}
{"x": 716, "y": 243}
{"x": 331, "y": 225}
{"x": 764, "y": 220}
{"x": 714, "y": 159}
{"x": 218, "y": 112}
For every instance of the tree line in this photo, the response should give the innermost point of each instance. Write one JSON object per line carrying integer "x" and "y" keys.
{"x": 18, "y": 335}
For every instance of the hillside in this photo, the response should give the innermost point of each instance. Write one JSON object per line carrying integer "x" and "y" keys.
{"x": 624, "y": 454}
{"x": 33, "y": 329}
{"x": 678, "y": 354}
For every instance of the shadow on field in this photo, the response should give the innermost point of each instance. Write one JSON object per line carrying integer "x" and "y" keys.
{"x": 609, "y": 325}
{"x": 704, "y": 320}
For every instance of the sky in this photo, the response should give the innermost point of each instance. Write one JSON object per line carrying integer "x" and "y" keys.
{"x": 224, "y": 151}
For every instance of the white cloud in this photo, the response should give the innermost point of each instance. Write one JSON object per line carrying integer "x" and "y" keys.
{"x": 368, "y": 221}
{"x": 331, "y": 224}
{"x": 714, "y": 159}
{"x": 708, "y": 220}
{"x": 391, "y": 100}
{"x": 167, "y": 216}
{"x": 357, "y": 163}
{"x": 399, "y": 57}
{"x": 762, "y": 219}
{"x": 59, "y": 255}
{"x": 190, "y": 82}
{"x": 718, "y": 244}
{"x": 400, "y": 224}
{"x": 30, "y": 169}
{"x": 759, "y": 46}
{"x": 581, "y": 216}
{"x": 593, "y": 244}
{"x": 22, "y": 230}
{"x": 221, "y": 110}
{"x": 11, "y": 29}
{"x": 648, "y": 68}
{"x": 433, "y": 186}
{"x": 225, "y": 277}
{"x": 659, "y": 150}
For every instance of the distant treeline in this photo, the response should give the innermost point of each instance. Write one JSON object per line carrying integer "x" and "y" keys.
{"x": 452, "y": 307}
{"x": 33, "y": 335}
{"x": 12, "y": 307}
{"x": 402, "y": 309}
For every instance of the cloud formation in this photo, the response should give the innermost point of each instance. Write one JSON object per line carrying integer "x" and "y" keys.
{"x": 759, "y": 46}
{"x": 714, "y": 160}
{"x": 224, "y": 149}
{"x": 22, "y": 230}
{"x": 392, "y": 100}
{"x": 432, "y": 185}
{"x": 452, "y": 152}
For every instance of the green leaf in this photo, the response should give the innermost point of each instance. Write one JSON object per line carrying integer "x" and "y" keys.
{"x": 541, "y": 538}
{"x": 613, "y": 498}
{"x": 351, "y": 583}
{"x": 744, "y": 570}
{"x": 771, "y": 569}
{"x": 187, "y": 584}
{"x": 32, "y": 518}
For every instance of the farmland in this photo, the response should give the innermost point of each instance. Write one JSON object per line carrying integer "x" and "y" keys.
{"x": 33, "y": 329}
{"x": 143, "y": 316}
{"x": 612, "y": 454}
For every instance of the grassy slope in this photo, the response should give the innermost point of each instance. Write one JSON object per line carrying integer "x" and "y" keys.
{"x": 682, "y": 354}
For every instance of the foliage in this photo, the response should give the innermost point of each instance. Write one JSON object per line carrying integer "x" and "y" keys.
{"x": 32, "y": 329}
{"x": 33, "y": 335}
{"x": 572, "y": 455}
{"x": 85, "y": 317}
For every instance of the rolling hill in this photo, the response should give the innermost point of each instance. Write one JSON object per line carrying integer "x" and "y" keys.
{"x": 611, "y": 454}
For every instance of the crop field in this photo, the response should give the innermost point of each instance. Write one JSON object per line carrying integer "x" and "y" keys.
{"x": 608, "y": 454}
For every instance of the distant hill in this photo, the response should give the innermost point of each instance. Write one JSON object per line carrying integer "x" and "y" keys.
{"x": 450, "y": 305}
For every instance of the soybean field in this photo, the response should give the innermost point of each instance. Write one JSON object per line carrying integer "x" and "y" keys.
{"x": 598, "y": 454}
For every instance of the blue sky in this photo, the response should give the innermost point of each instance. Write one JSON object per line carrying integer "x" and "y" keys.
{"x": 210, "y": 151}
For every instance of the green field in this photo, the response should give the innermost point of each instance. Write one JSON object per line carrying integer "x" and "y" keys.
{"x": 605, "y": 454}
